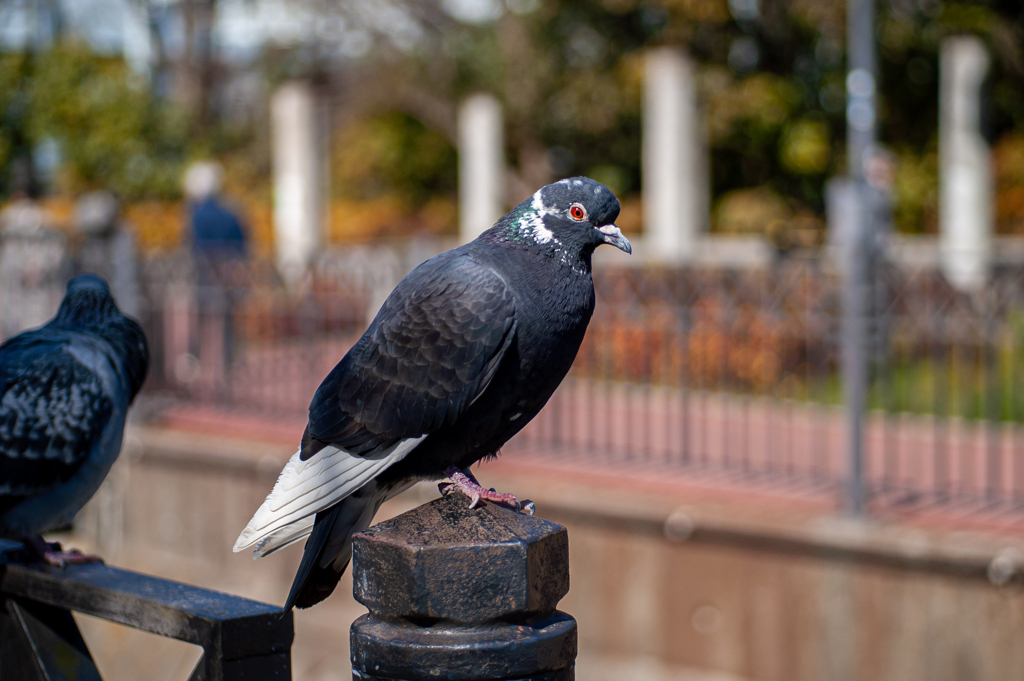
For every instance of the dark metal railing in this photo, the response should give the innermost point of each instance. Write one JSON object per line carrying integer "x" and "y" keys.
{"x": 39, "y": 640}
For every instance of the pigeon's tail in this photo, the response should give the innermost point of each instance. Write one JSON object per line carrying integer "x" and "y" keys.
{"x": 329, "y": 547}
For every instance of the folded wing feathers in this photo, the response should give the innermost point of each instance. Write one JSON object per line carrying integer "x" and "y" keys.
{"x": 286, "y": 536}
{"x": 307, "y": 487}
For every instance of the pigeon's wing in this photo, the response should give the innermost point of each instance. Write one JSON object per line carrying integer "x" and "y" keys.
{"x": 52, "y": 410}
{"x": 430, "y": 352}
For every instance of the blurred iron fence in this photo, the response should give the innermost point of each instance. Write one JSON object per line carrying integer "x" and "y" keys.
{"x": 738, "y": 373}
{"x": 684, "y": 370}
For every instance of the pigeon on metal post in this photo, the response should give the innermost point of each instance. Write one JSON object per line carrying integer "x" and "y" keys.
{"x": 65, "y": 389}
{"x": 464, "y": 352}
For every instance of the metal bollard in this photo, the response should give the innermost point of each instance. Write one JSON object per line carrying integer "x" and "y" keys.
{"x": 461, "y": 593}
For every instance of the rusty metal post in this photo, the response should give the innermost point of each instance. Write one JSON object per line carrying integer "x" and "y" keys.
{"x": 462, "y": 594}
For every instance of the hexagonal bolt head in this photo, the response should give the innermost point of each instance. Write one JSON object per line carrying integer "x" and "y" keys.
{"x": 447, "y": 561}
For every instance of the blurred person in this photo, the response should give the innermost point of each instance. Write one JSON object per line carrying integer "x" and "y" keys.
{"x": 840, "y": 206}
{"x": 34, "y": 266}
{"x": 107, "y": 248}
{"x": 880, "y": 173}
{"x": 843, "y": 233}
{"x": 218, "y": 245}
{"x": 217, "y": 232}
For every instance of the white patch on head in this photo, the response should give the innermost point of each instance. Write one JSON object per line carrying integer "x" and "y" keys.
{"x": 541, "y": 234}
{"x": 533, "y": 223}
{"x": 537, "y": 203}
{"x": 577, "y": 183}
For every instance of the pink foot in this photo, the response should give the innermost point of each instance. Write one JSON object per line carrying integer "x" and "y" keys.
{"x": 463, "y": 481}
{"x": 53, "y": 554}
{"x": 72, "y": 557}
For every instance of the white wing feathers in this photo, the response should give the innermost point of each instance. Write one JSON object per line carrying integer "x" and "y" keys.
{"x": 286, "y": 536}
{"x": 306, "y": 487}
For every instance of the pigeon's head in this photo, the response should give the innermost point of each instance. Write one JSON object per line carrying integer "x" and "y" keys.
{"x": 87, "y": 304}
{"x": 571, "y": 217}
{"x": 89, "y": 308}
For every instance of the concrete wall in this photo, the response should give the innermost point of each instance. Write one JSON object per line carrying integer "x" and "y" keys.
{"x": 661, "y": 594}
{"x": 763, "y": 614}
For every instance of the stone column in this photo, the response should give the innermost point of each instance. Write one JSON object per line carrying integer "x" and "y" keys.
{"x": 965, "y": 166}
{"x": 481, "y": 165}
{"x": 462, "y": 593}
{"x": 675, "y": 168}
{"x": 298, "y": 141}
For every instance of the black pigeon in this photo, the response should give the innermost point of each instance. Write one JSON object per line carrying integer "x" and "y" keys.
{"x": 464, "y": 352}
{"x": 65, "y": 389}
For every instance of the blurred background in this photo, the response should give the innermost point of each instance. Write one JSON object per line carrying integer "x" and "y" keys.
{"x": 792, "y": 445}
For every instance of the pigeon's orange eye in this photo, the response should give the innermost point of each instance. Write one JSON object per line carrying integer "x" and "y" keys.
{"x": 576, "y": 212}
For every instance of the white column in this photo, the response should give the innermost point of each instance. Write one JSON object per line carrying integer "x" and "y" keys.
{"x": 481, "y": 165}
{"x": 298, "y": 152}
{"x": 965, "y": 166}
{"x": 675, "y": 169}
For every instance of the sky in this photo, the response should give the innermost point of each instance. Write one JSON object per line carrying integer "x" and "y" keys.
{"x": 241, "y": 29}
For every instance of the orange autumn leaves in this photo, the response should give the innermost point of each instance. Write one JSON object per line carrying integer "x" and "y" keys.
{"x": 711, "y": 341}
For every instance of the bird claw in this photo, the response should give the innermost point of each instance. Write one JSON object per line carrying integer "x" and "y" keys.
{"x": 72, "y": 557}
{"x": 52, "y": 553}
{"x": 467, "y": 485}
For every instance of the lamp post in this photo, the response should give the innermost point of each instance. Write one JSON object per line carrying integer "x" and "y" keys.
{"x": 860, "y": 140}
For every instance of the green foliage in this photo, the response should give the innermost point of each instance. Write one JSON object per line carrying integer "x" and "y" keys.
{"x": 10, "y": 75}
{"x": 393, "y": 154}
{"x": 916, "y": 191}
{"x": 806, "y": 147}
{"x": 110, "y": 131}
{"x": 570, "y": 75}
{"x": 13, "y": 111}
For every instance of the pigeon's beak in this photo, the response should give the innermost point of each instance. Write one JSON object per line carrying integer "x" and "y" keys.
{"x": 611, "y": 234}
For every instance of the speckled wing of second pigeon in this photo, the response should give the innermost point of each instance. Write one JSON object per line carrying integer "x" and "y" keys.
{"x": 52, "y": 410}
{"x": 430, "y": 352}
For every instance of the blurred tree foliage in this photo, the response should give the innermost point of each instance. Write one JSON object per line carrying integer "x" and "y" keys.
{"x": 109, "y": 130}
{"x": 391, "y": 175}
{"x": 771, "y": 76}
{"x": 15, "y": 146}
{"x": 394, "y": 154}
{"x": 570, "y": 76}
